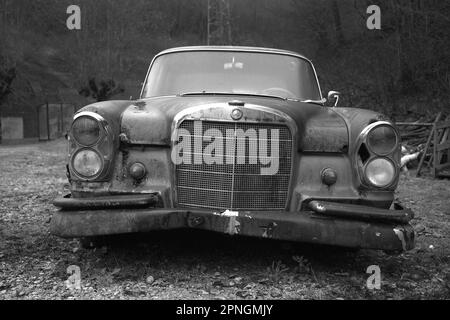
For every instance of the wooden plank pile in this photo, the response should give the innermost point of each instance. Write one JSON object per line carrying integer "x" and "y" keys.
{"x": 429, "y": 140}
{"x": 441, "y": 149}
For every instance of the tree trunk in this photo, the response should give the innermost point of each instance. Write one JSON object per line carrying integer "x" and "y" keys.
{"x": 338, "y": 23}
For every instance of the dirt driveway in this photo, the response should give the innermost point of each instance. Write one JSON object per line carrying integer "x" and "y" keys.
{"x": 188, "y": 264}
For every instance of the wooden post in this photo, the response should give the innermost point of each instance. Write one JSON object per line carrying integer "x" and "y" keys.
{"x": 38, "y": 123}
{"x": 48, "y": 123}
{"x": 61, "y": 119}
{"x": 207, "y": 23}
{"x": 219, "y": 24}
{"x": 427, "y": 145}
{"x": 435, "y": 156}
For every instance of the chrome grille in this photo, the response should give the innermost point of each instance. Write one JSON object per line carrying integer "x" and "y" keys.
{"x": 234, "y": 185}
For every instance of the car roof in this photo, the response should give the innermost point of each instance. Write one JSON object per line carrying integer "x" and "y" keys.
{"x": 233, "y": 48}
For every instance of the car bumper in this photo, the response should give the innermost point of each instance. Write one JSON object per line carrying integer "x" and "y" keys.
{"x": 322, "y": 223}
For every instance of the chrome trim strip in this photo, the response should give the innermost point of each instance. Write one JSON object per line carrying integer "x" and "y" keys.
{"x": 225, "y": 173}
{"x": 94, "y": 115}
{"x": 233, "y": 176}
{"x": 232, "y": 48}
{"x": 228, "y": 191}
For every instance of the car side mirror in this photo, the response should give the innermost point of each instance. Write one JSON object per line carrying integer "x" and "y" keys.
{"x": 334, "y": 95}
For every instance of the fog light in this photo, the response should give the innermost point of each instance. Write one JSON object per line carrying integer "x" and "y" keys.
{"x": 87, "y": 163}
{"x": 329, "y": 176}
{"x": 380, "y": 172}
{"x": 138, "y": 171}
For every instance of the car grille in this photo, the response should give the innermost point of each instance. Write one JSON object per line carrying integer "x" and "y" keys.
{"x": 233, "y": 185}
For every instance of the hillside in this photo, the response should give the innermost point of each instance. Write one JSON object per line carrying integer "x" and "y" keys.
{"x": 405, "y": 65}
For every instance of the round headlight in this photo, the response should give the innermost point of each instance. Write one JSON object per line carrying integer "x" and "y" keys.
{"x": 382, "y": 140}
{"x": 87, "y": 163}
{"x": 380, "y": 172}
{"x": 86, "y": 130}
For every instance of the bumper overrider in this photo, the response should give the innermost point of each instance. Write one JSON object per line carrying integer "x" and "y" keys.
{"x": 321, "y": 222}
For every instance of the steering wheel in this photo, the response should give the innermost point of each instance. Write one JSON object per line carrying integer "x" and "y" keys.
{"x": 276, "y": 92}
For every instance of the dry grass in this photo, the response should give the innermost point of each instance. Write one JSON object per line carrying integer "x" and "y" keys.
{"x": 199, "y": 265}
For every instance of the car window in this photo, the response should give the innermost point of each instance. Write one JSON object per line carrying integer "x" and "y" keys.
{"x": 232, "y": 72}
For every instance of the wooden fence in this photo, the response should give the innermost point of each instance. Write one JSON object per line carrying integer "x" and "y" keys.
{"x": 441, "y": 149}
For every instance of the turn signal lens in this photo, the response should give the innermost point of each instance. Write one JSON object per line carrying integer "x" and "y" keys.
{"x": 138, "y": 171}
{"x": 329, "y": 176}
{"x": 87, "y": 163}
{"x": 380, "y": 172}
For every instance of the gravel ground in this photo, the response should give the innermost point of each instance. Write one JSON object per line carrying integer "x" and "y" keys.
{"x": 201, "y": 265}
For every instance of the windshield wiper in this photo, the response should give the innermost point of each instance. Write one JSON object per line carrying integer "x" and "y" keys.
{"x": 210, "y": 93}
{"x": 319, "y": 102}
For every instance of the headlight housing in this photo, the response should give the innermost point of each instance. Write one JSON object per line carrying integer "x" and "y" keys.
{"x": 380, "y": 172}
{"x": 87, "y": 163}
{"x": 378, "y": 155}
{"x": 382, "y": 140}
{"x": 91, "y": 147}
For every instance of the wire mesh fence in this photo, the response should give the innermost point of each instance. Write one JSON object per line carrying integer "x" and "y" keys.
{"x": 54, "y": 120}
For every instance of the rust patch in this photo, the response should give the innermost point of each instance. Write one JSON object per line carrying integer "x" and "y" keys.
{"x": 399, "y": 233}
{"x": 233, "y": 227}
{"x": 268, "y": 230}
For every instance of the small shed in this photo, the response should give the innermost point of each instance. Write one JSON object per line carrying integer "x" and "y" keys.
{"x": 40, "y": 107}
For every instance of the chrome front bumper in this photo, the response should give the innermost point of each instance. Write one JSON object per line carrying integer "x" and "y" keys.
{"x": 324, "y": 223}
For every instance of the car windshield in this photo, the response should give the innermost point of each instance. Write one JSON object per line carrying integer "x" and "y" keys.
{"x": 224, "y": 72}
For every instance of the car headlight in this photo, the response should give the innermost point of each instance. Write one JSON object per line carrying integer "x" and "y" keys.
{"x": 87, "y": 163}
{"x": 380, "y": 172}
{"x": 86, "y": 130}
{"x": 382, "y": 140}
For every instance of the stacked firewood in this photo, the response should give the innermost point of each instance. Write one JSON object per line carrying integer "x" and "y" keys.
{"x": 413, "y": 136}
{"x": 417, "y": 140}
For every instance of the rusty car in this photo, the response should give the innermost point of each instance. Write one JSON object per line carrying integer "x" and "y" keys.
{"x": 240, "y": 141}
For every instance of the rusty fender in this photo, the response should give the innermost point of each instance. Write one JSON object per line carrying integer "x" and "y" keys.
{"x": 294, "y": 226}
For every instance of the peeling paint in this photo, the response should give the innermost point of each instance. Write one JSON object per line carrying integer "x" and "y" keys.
{"x": 268, "y": 231}
{"x": 229, "y": 213}
{"x": 195, "y": 221}
{"x": 234, "y": 226}
{"x": 399, "y": 233}
{"x": 320, "y": 207}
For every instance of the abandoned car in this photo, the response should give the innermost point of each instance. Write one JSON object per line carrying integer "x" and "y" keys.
{"x": 236, "y": 140}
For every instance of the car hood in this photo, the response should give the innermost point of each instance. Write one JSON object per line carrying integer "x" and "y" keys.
{"x": 149, "y": 121}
